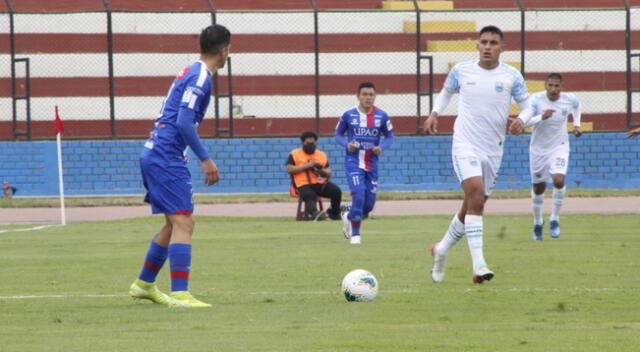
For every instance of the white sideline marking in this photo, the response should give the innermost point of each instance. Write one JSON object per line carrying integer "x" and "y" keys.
{"x": 297, "y": 293}
{"x": 30, "y": 228}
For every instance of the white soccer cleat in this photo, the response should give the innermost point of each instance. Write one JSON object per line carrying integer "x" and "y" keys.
{"x": 355, "y": 239}
{"x": 482, "y": 274}
{"x": 437, "y": 269}
{"x": 346, "y": 225}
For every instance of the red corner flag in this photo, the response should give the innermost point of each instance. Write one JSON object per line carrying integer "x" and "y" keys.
{"x": 59, "y": 126}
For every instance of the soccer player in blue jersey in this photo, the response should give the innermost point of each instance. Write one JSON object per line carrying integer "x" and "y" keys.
{"x": 364, "y": 125}
{"x": 163, "y": 162}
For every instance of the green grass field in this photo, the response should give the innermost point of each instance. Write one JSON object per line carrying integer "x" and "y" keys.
{"x": 274, "y": 284}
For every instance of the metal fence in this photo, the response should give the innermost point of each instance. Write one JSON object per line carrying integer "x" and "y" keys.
{"x": 297, "y": 70}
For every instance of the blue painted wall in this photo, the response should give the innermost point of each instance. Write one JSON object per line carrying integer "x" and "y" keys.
{"x": 598, "y": 160}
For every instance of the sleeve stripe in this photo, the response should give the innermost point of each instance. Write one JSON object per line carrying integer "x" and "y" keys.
{"x": 192, "y": 101}
{"x": 202, "y": 77}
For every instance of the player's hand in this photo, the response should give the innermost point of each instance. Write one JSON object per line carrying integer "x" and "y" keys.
{"x": 577, "y": 131}
{"x": 431, "y": 124}
{"x": 353, "y": 146}
{"x": 210, "y": 170}
{"x": 547, "y": 114}
{"x": 633, "y": 133}
{"x": 516, "y": 127}
{"x": 376, "y": 150}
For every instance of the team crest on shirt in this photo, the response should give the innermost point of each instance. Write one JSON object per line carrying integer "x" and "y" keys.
{"x": 473, "y": 162}
{"x": 377, "y": 123}
{"x": 499, "y": 87}
{"x": 565, "y": 112}
{"x": 355, "y": 122}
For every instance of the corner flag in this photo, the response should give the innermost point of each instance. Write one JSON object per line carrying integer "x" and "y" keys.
{"x": 60, "y": 129}
{"x": 59, "y": 126}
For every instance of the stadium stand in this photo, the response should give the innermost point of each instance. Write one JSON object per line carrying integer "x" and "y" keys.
{"x": 273, "y": 58}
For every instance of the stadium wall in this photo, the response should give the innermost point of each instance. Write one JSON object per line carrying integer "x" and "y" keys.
{"x": 598, "y": 160}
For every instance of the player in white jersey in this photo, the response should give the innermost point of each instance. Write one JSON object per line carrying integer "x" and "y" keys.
{"x": 549, "y": 148}
{"x": 486, "y": 87}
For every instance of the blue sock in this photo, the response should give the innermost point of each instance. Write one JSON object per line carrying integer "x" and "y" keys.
{"x": 153, "y": 262}
{"x": 355, "y": 228}
{"x": 180, "y": 262}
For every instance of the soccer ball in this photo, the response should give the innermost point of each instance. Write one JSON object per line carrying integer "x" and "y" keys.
{"x": 359, "y": 286}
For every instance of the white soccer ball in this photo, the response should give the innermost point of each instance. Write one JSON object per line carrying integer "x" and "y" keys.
{"x": 359, "y": 286}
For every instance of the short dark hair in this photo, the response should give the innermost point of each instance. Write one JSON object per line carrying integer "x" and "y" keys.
{"x": 214, "y": 38}
{"x": 366, "y": 85}
{"x": 492, "y": 29}
{"x": 308, "y": 134}
{"x": 555, "y": 76}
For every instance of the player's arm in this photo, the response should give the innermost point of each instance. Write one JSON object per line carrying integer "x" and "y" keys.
{"x": 451, "y": 86}
{"x": 192, "y": 98}
{"x": 577, "y": 114}
{"x": 387, "y": 131}
{"x": 341, "y": 128}
{"x": 521, "y": 96}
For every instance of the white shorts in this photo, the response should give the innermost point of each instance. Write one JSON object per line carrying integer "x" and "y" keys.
{"x": 468, "y": 163}
{"x": 543, "y": 165}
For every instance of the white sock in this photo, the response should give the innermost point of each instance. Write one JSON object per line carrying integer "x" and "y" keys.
{"x": 558, "y": 199}
{"x": 474, "y": 230}
{"x": 536, "y": 203}
{"x": 454, "y": 233}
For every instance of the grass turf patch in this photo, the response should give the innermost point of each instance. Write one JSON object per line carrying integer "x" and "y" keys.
{"x": 275, "y": 284}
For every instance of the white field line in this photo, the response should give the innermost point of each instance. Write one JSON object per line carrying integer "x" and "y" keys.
{"x": 30, "y": 228}
{"x": 298, "y": 293}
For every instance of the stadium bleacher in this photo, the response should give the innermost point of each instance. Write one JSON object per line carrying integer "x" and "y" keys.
{"x": 272, "y": 55}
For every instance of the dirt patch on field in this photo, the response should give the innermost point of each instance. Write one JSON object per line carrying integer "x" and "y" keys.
{"x": 601, "y": 205}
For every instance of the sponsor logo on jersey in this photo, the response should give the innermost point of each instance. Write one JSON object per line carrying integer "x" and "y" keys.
{"x": 499, "y": 87}
{"x": 365, "y": 132}
{"x": 473, "y": 162}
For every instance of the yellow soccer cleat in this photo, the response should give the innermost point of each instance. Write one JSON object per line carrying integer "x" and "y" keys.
{"x": 184, "y": 299}
{"x": 147, "y": 290}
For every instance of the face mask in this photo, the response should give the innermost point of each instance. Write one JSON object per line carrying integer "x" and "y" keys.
{"x": 309, "y": 148}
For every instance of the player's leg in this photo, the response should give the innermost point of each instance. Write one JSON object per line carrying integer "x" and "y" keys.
{"x": 371, "y": 191}
{"x": 332, "y": 191}
{"x": 180, "y": 261}
{"x": 356, "y": 180}
{"x": 474, "y": 227}
{"x": 144, "y": 287}
{"x": 466, "y": 166}
{"x": 539, "y": 168}
{"x": 477, "y": 192}
{"x": 558, "y": 170}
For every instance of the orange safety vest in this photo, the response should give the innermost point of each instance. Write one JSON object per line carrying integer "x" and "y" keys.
{"x": 307, "y": 177}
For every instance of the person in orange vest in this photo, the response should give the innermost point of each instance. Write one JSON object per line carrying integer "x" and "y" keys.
{"x": 310, "y": 171}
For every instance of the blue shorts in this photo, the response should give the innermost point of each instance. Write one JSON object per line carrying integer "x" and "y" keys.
{"x": 360, "y": 180}
{"x": 169, "y": 188}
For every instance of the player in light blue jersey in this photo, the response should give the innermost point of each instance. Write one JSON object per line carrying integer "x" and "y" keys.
{"x": 364, "y": 125}
{"x": 549, "y": 148}
{"x": 163, "y": 163}
{"x": 486, "y": 87}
